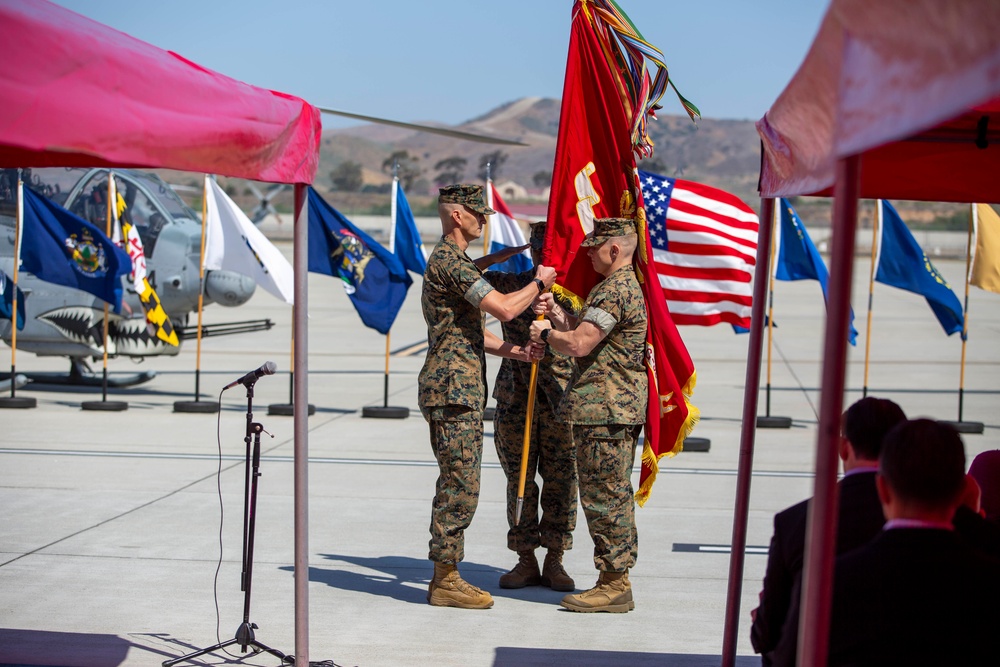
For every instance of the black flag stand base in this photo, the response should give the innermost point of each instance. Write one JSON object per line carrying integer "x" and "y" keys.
{"x": 770, "y": 421}
{"x": 17, "y": 402}
{"x": 199, "y": 407}
{"x": 385, "y": 411}
{"x": 697, "y": 444}
{"x": 965, "y": 427}
{"x": 288, "y": 409}
{"x": 104, "y": 406}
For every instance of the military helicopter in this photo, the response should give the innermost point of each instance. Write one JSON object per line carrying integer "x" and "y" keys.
{"x": 61, "y": 321}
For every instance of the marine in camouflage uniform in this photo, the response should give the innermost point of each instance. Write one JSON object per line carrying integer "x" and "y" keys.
{"x": 452, "y": 384}
{"x": 551, "y": 451}
{"x": 606, "y": 405}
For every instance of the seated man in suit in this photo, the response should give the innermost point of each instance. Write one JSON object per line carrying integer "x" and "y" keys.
{"x": 917, "y": 594}
{"x": 864, "y": 425}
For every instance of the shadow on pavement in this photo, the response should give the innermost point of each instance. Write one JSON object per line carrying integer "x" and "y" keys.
{"x": 397, "y": 577}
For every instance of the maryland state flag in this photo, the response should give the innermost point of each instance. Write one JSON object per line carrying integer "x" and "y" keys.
{"x": 127, "y": 238}
{"x": 607, "y": 95}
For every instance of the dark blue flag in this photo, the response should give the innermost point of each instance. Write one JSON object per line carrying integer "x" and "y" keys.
{"x": 59, "y": 247}
{"x": 7, "y": 300}
{"x": 798, "y": 258}
{"x": 903, "y": 264}
{"x": 374, "y": 278}
{"x": 408, "y": 247}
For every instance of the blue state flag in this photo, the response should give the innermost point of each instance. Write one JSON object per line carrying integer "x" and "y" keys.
{"x": 798, "y": 258}
{"x": 7, "y": 300}
{"x": 373, "y": 277}
{"x": 59, "y": 247}
{"x": 902, "y": 263}
{"x": 408, "y": 246}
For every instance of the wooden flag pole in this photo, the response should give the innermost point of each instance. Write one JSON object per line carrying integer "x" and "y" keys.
{"x": 767, "y": 421}
{"x": 871, "y": 292}
{"x": 385, "y": 411}
{"x": 489, "y": 202}
{"x": 961, "y": 425}
{"x": 198, "y": 405}
{"x": 526, "y": 446}
{"x": 13, "y": 401}
{"x": 104, "y": 404}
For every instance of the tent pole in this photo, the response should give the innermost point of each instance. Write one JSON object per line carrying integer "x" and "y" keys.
{"x": 747, "y": 434}
{"x": 821, "y": 527}
{"x": 300, "y": 266}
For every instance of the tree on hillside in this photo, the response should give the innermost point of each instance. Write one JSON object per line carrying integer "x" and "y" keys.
{"x": 407, "y": 168}
{"x": 449, "y": 170}
{"x": 347, "y": 177}
{"x": 542, "y": 178}
{"x": 495, "y": 161}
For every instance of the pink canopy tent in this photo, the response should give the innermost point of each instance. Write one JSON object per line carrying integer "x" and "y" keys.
{"x": 77, "y": 93}
{"x": 895, "y": 99}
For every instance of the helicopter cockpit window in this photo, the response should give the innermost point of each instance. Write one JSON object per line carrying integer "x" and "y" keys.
{"x": 140, "y": 209}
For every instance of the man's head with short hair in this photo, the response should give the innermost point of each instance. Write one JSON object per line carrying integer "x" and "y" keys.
{"x": 465, "y": 194}
{"x": 923, "y": 463}
{"x": 867, "y": 421}
{"x": 609, "y": 228}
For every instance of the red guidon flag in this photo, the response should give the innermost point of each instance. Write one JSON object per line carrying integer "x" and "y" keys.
{"x": 606, "y": 97}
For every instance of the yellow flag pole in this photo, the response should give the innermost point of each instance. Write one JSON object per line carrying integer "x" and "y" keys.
{"x": 965, "y": 309}
{"x": 111, "y": 203}
{"x": 871, "y": 291}
{"x": 770, "y": 301}
{"x": 17, "y": 258}
{"x": 526, "y": 447}
{"x": 201, "y": 288}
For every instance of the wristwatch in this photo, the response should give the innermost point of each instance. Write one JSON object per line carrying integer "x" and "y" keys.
{"x": 540, "y": 284}
{"x": 545, "y": 335}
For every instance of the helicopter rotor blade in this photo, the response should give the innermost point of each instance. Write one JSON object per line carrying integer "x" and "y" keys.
{"x": 458, "y": 134}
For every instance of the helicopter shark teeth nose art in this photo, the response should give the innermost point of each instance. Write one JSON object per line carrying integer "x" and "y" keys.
{"x": 85, "y": 326}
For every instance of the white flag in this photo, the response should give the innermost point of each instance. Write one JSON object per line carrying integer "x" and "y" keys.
{"x": 233, "y": 243}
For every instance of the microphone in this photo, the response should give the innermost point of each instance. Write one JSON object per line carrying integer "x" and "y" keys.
{"x": 267, "y": 369}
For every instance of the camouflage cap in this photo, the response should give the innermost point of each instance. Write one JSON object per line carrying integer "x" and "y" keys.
{"x": 608, "y": 228}
{"x": 537, "y": 232}
{"x": 465, "y": 194}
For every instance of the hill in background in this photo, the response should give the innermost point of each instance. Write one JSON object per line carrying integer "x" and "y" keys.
{"x": 721, "y": 153}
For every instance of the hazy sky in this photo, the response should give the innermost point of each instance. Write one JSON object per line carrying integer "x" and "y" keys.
{"x": 453, "y": 60}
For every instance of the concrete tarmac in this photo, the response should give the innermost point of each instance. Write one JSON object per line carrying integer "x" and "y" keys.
{"x": 113, "y": 524}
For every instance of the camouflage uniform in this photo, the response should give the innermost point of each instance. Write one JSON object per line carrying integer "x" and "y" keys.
{"x": 552, "y": 453}
{"x": 452, "y": 392}
{"x": 606, "y": 405}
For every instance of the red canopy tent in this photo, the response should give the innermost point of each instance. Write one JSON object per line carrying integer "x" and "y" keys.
{"x": 77, "y": 93}
{"x": 895, "y": 99}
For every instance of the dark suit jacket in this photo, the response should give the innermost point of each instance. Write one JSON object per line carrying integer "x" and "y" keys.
{"x": 860, "y": 519}
{"x": 981, "y": 534}
{"x": 914, "y": 597}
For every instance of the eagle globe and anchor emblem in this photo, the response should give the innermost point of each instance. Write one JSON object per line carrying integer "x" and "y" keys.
{"x": 88, "y": 257}
{"x": 353, "y": 256}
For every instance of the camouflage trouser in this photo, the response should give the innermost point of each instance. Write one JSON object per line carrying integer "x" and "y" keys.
{"x": 553, "y": 456}
{"x": 604, "y": 458}
{"x": 457, "y": 441}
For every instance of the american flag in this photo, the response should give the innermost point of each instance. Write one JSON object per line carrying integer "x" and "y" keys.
{"x": 704, "y": 248}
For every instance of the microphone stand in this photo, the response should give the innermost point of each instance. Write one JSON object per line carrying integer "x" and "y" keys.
{"x": 244, "y": 634}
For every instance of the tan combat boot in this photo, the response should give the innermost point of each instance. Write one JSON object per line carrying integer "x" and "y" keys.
{"x": 525, "y": 573}
{"x": 448, "y": 589}
{"x": 553, "y": 574}
{"x": 613, "y": 593}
